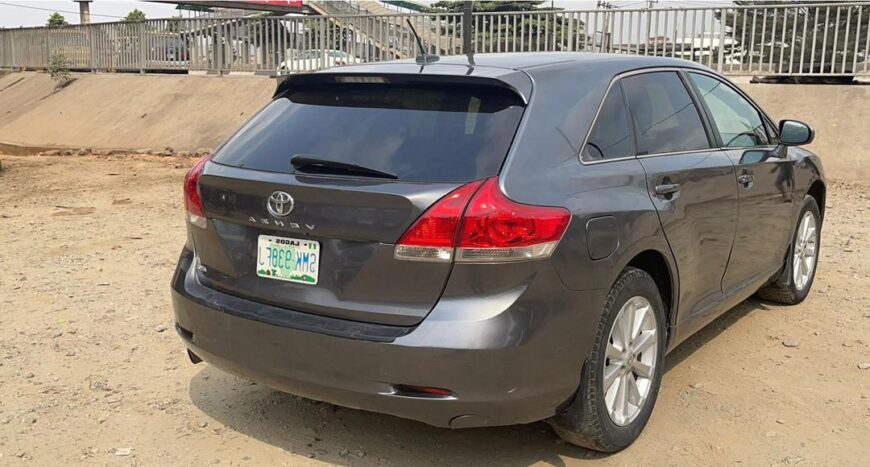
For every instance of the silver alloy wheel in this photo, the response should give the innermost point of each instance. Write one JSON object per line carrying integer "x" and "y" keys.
{"x": 805, "y": 248}
{"x": 629, "y": 366}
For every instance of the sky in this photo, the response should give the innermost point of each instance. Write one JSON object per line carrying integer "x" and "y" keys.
{"x": 16, "y": 13}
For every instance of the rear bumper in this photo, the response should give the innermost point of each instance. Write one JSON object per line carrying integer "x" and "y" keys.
{"x": 508, "y": 358}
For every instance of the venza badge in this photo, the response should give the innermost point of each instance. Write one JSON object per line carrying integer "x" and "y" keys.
{"x": 279, "y": 204}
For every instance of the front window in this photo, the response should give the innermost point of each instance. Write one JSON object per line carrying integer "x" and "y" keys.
{"x": 739, "y": 123}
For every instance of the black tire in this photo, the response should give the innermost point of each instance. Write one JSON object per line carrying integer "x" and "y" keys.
{"x": 585, "y": 421}
{"x": 783, "y": 289}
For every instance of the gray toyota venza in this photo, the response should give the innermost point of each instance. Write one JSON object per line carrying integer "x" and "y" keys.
{"x": 492, "y": 240}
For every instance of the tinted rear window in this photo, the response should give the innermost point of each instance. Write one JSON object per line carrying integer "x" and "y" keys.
{"x": 611, "y": 136}
{"x": 425, "y": 133}
{"x": 664, "y": 115}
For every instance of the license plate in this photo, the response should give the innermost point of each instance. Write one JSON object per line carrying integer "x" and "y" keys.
{"x": 288, "y": 259}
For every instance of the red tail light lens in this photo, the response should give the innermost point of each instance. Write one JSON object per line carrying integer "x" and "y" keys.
{"x": 495, "y": 228}
{"x": 490, "y": 227}
{"x": 192, "y": 196}
{"x": 433, "y": 236}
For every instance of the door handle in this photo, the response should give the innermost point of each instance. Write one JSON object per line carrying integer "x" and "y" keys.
{"x": 667, "y": 189}
{"x": 746, "y": 179}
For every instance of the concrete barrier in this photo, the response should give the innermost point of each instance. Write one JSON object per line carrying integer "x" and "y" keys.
{"x": 129, "y": 111}
{"x": 187, "y": 112}
{"x": 839, "y": 114}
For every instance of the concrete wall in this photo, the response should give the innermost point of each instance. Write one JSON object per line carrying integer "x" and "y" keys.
{"x": 839, "y": 114}
{"x": 121, "y": 111}
{"x": 128, "y": 111}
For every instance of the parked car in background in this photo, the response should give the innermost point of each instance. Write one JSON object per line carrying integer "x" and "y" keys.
{"x": 522, "y": 237}
{"x": 167, "y": 51}
{"x": 315, "y": 59}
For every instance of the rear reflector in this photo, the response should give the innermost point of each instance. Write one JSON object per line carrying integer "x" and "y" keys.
{"x": 192, "y": 195}
{"x": 478, "y": 223}
{"x": 421, "y": 391}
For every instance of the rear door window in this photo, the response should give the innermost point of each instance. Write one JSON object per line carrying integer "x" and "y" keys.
{"x": 610, "y": 138}
{"x": 739, "y": 123}
{"x": 419, "y": 132}
{"x": 665, "y": 117}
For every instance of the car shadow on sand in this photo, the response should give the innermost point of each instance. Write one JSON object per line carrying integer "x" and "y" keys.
{"x": 347, "y": 436}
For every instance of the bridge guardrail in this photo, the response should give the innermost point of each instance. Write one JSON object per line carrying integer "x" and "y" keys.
{"x": 816, "y": 39}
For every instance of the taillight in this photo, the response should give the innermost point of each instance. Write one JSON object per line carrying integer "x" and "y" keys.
{"x": 192, "y": 195}
{"x": 478, "y": 223}
{"x": 433, "y": 236}
{"x": 494, "y": 228}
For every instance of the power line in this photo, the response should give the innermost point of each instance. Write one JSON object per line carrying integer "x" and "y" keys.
{"x": 56, "y": 10}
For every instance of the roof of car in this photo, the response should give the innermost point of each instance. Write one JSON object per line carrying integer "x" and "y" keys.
{"x": 527, "y": 60}
{"x": 500, "y": 65}
{"x": 514, "y": 69}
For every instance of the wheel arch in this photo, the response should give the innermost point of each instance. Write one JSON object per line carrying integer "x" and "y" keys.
{"x": 656, "y": 264}
{"x": 818, "y": 191}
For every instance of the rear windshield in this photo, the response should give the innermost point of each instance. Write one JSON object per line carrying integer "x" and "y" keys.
{"x": 425, "y": 133}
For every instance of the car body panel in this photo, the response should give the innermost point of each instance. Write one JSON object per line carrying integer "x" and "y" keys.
{"x": 698, "y": 221}
{"x": 486, "y": 349}
{"x": 356, "y": 221}
{"x": 761, "y": 242}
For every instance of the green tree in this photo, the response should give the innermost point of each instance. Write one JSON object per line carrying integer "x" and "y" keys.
{"x": 58, "y": 68}
{"x": 512, "y": 31}
{"x": 488, "y": 7}
{"x": 135, "y": 16}
{"x": 56, "y": 20}
{"x": 765, "y": 35}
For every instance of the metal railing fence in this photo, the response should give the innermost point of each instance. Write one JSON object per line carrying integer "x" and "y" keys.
{"x": 830, "y": 39}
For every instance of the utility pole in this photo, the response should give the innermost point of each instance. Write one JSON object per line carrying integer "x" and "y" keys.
{"x": 650, "y": 4}
{"x": 467, "y": 36}
{"x": 604, "y": 46}
{"x": 84, "y": 11}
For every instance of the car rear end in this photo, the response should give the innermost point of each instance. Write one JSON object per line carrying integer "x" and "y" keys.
{"x": 351, "y": 243}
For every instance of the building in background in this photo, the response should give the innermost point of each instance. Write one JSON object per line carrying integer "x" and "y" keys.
{"x": 218, "y": 9}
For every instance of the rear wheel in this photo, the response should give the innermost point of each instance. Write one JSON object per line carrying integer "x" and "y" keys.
{"x": 799, "y": 271}
{"x": 622, "y": 376}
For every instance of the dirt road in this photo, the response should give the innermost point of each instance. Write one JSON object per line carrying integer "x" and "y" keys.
{"x": 91, "y": 370}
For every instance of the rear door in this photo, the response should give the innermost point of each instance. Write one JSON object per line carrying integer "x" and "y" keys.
{"x": 417, "y": 140}
{"x": 691, "y": 184}
{"x": 765, "y": 181}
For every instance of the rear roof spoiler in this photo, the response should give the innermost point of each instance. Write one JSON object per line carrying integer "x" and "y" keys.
{"x": 521, "y": 87}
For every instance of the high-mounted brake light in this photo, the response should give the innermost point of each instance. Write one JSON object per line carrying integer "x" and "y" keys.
{"x": 478, "y": 223}
{"x": 192, "y": 195}
{"x": 361, "y": 79}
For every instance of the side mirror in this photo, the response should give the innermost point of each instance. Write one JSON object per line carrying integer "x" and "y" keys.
{"x": 795, "y": 133}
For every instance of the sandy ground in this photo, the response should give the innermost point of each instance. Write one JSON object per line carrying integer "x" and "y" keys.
{"x": 92, "y": 372}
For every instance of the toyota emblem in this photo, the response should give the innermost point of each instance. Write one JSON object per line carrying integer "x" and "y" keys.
{"x": 280, "y": 204}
